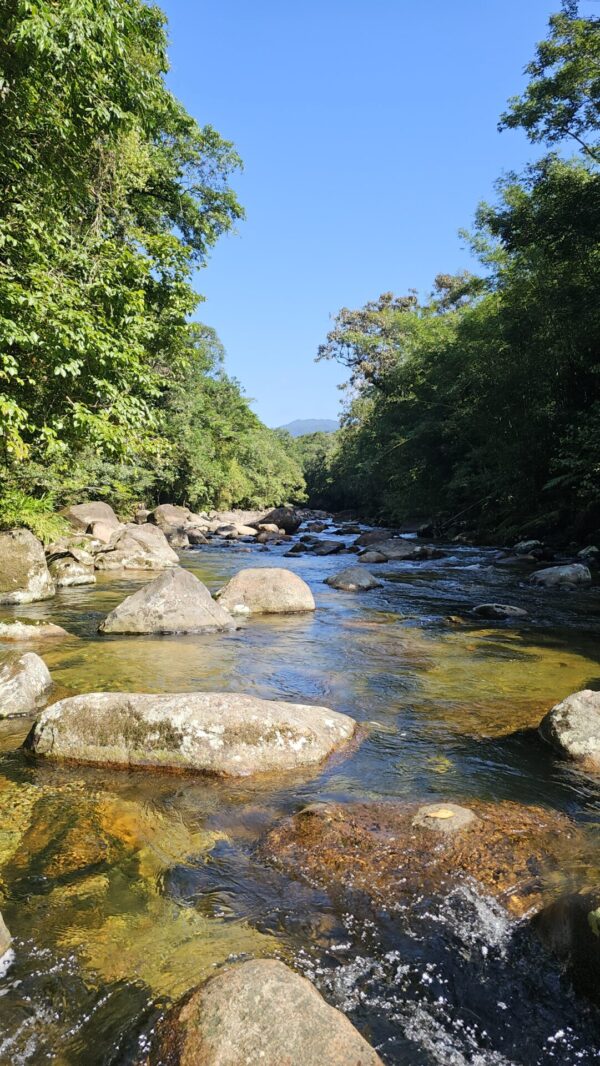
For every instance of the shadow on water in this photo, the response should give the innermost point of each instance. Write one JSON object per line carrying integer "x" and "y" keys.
{"x": 124, "y": 890}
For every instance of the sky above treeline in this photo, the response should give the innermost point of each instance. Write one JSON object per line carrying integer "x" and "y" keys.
{"x": 368, "y": 131}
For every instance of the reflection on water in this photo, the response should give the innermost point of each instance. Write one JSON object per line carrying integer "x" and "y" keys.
{"x": 125, "y": 889}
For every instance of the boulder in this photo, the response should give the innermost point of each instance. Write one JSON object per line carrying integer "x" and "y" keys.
{"x": 372, "y": 557}
{"x": 5, "y": 939}
{"x": 254, "y": 1012}
{"x": 24, "y": 575}
{"x": 101, "y": 531}
{"x": 177, "y": 536}
{"x": 219, "y": 733}
{"x": 268, "y": 527}
{"x": 398, "y": 549}
{"x": 137, "y": 548}
{"x": 266, "y": 590}
{"x": 570, "y": 927}
{"x": 373, "y": 536}
{"x": 286, "y": 518}
{"x": 167, "y": 515}
{"x": 175, "y": 602}
{"x": 528, "y": 547}
{"x": 196, "y": 536}
{"x": 316, "y": 527}
{"x": 75, "y": 567}
{"x": 572, "y": 727}
{"x": 353, "y": 579}
{"x": 498, "y": 610}
{"x": 24, "y": 683}
{"x": 572, "y": 574}
{"x": 269, "y": 538}
{"x": 141, "y": 516}
{"x": 83, "y": 515}
{"x": 24, "y": 632}
{"x": 392, "y": 854}
{"x": 327, "y": 547}
{"x": 589, "y": 555}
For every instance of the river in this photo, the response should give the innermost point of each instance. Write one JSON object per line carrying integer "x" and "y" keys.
{"x": 124, "y": 889}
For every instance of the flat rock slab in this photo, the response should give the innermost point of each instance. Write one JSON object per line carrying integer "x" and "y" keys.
{"x": 266, "y": 590}
{"x": 572, "y": 727}
{"x": 394, "y": 853}
{"x": 353, "y": 579}
{"x": 219, "y": 733}
{"x": 24, "y": 575}
{"x": 259, "y": 1012}
{"x": 175, "y": 602}
{"x": 24, "y": 683}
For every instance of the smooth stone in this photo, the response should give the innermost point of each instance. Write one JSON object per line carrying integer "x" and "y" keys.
{"x": 572, "y": 574}
{"x": 372, "y": 557}
{"x": 24, "y": 574}
{"x": 444, "y": 817}
{"x": 572, "y": 727}
{"x": 353, "y": 579}
{"x": 266, "y": 590}
{"x": 286, "y": 518}
{"x": 83, "y": 515}
{"x": 499, "y": 610}
{"x": 22, "y": 632}
{"x": 526, "y": 547}
{"x": 167, "y": 515}
{"x": 258, "y": 1012}
{"x": 175, "y": 602}
{"x": 24, "y": 683}
{"x": 101, "y": 531}
{"x": 327, "y": 547}
{"x": 220, "y": 733}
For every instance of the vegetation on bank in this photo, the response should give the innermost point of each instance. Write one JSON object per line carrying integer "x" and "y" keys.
{"x": 110, "y": 196}
{"x": 481, "y": 404}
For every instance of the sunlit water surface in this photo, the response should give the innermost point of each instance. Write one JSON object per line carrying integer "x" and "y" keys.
{"x": 123, "y": 890}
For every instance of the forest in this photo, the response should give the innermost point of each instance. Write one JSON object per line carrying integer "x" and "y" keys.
{"x": 480, "y": 405}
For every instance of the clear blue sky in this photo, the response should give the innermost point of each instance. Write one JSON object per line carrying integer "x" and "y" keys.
{"x": 368, "y": 134}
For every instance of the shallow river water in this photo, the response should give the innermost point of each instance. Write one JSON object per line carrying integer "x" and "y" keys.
{"x": 124, "y": 889}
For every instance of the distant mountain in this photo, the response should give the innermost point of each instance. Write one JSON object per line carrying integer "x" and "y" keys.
{"x": 302, "y": 426}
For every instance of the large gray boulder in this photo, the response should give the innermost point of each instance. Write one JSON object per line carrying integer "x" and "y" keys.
{"x": 24, "y": 575}
{"x": 135, "y": 547}
{"x": 571, "y": 574}
{"x": 286, "y": 518}
{"x": 175, "y": 602}
{"x": 266, "y": 590}
{"x": 353, "y": 579}
{"x": 169, "y": 516}
{"x": 24, "y": 684}
{"x": 5, "y": 939}
{"x": 83, "y": 515}
{"x": 572, "y": 727}
{"x": 398, "y": 549}
{"x": 259, "y": 1012}
{"x": 220, "y": 733}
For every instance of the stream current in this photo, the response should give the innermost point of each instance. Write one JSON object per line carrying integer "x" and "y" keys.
{"x": 123, "y": 890}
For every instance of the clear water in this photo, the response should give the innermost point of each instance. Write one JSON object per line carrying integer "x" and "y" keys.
{"x": 123, "y": 890}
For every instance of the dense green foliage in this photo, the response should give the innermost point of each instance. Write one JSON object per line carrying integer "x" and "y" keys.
{"x": 110, "y": 194}
{"x": 483, "y": 402}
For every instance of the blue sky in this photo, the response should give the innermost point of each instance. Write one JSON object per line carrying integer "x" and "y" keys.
{"x": 368, "y": 130}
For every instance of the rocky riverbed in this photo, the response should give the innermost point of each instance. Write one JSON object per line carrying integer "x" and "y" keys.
{"x": 432, "y": 871}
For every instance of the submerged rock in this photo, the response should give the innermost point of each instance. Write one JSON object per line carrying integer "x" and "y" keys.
{"x": 219, "y": 733}
{"x": 499, "y": 610}
{"x": 5, "y": 939}
{"x": 24, "y": 632}
{"x": 135, "y": 547}
{"x": 353, "y": 579}
{"x": 266, "y": 590}
{"x": 24, "y": 575}
{"x": 83, "y": 515}
{"x": 259, "y": 1012}
{"x": 572, "y": 727}
{"x": 327, "y": 547}
{"x": 391, "y": 853}
{"x": 571, "y": 574}
{"x": 24, "y": 682}
{"x": 570, "y": 927}
{"x": 175, "y": 602}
